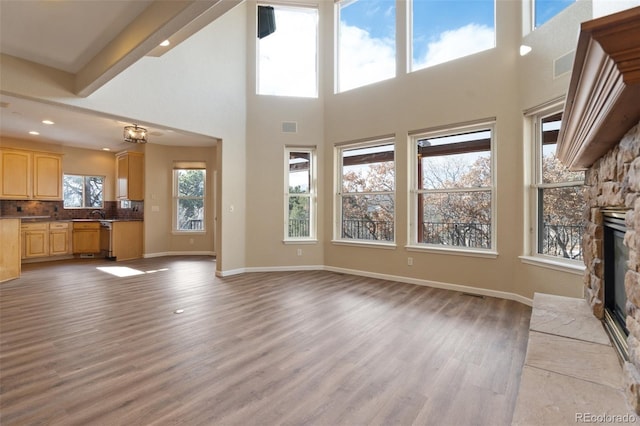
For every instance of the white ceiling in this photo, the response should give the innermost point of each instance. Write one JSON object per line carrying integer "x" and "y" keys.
{"x": 68, "y": 35}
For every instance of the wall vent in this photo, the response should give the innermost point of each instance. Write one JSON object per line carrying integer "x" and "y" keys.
{"x": 563, "y": 64}
{"x": 289, "y": 127}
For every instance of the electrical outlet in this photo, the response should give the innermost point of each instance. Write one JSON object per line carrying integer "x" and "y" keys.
{"x": 299, "y": 252}
{"x": 410, "y": 261}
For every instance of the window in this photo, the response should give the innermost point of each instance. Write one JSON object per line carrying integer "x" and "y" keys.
{"x": 454, "y": 188}
{"x": 365, "y": 198}
{"x": 189, "y": 199}
{"x": 544, "y": 10}
{"x": 366, "y": 45}
{"x": 300, "y": 188}
{"x": 82, "y": 191}
{"x": 443, "y": 30}
{"x": 559, "y": 203}
{"x": 288, "y": 57}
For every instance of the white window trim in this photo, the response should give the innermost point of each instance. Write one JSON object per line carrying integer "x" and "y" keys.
{"x": 174, "y": 212}
{"x": 313, "y": 196}
{"x": 412, "y": 237}
{"x": 337, "y": 213}
{"x": 291, "y": 6}
{"x": 533, "y": 173}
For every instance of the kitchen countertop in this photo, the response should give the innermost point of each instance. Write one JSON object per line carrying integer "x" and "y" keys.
{"x": 50, "y": 219}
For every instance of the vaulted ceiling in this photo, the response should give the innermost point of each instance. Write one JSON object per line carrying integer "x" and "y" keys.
{"x": 93, "y": 41}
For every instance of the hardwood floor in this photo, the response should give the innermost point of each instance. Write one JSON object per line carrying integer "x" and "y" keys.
{"x": 79, "y": 346}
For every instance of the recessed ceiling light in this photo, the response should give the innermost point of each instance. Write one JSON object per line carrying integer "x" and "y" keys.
{"x": 106, "y": 149}
{"x": 165, "y": 43}
{"x": 47, "y": 122}
{"x": 33, "y": 132}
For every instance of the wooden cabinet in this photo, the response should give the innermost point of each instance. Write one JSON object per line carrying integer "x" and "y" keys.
{"x": 130, "y": 176}
{"x": 47, "y": 176}
{"x": 26, "y": 175}
{"x": 126, "y": 240}
{"x": 59, "y": 238}
{"x": 35, "y": 240}
{"x": 86, "y": 237}
{"x": 10, "y": 265}
{"x": 16, "y": 173}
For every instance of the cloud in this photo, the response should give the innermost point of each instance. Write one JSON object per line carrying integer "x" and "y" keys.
{"x": 453, "y": 44}
{"x": 364, "y": 60}
{"x": 288, "y": 57}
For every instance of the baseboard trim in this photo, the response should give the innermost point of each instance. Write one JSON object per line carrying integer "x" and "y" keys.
{"x": 179, "y": 253}
{"x": 417, "y": 281}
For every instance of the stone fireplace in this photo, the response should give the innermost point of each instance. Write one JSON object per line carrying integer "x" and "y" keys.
{"x": 601, "y": 134}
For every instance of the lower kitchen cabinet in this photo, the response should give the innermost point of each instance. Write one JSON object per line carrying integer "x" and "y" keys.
{"x": 86, "y": 237}
{"x": 10, "y": 265}
{"x": 35, "y": 240}
{"x": 126, "y": 240}
{"x": 59, "y": 238}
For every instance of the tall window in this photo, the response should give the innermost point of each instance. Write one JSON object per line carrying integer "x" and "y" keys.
{"x": 454, "y": 188}
{"x": 82, "y": 191}
{"x": 301, "y": 194}
{"x": 443, "y": 30}
{"x": 365, "y": 198}
{"x": 544, "y": 10}
{"x": 288, "y": 57}
{"x": 189, "y": 199}
{"x": 366, "y": 46}
{"x": 560, "y": 204}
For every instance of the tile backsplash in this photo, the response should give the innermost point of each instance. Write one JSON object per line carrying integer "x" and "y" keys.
{"x": 56, "y": 211}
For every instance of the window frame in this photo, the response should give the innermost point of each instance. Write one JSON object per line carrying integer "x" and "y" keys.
{"x": 537, "y": 185}
{"x": 312, "y": 194}
{"x": 339, "y": 149}
{"x": 488, "y": 124}
{"x": 338, "y": 4}
{"x": 177, "y": 198}
{"x": 84, "y": 177}
{"x": 296, "y": 6}
{"x": 411, "y": 66}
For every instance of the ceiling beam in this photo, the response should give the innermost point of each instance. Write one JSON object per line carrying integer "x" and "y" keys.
{"x": 155, "y": 24}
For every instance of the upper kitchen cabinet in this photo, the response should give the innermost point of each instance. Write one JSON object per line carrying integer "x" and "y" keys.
{"x": 27, "y": 175}
{"x": 130, "y": 173}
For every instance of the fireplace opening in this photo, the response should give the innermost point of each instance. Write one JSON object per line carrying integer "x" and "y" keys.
{"x": 616, "y": 255}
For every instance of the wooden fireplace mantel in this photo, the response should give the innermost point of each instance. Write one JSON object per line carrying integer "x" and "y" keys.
{"x": 603, "y": 101}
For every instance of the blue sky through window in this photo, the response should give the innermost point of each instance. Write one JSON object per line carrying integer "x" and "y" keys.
{"x": 547, "y": 9}
{"x": 367, "y": 42}
{"x": 444, "y": 30}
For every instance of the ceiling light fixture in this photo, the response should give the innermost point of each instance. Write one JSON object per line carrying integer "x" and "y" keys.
{"x": 33, "y": 132}
{"x": 135, "y": 134}
{"x": 47, "y": 122}
{"x": 165, "y": 43}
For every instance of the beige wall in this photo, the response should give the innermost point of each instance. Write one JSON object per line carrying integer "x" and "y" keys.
{"x": 158, "y": 212}
{"x": 496, "y": 83}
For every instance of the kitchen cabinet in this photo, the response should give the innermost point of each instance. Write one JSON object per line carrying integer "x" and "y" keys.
{"x": 27, "y": 175}
{"x": 130, "y": 176}
{"x": 35, "y": 240}
{"x": 59, "y": 238}
{"x": 126, "y": 240}
{"x": 86, "y": 237}
{"x": 47, "y": 176}
{"x": 10, "y": 265}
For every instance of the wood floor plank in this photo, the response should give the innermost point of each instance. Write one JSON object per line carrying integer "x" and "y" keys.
{"x": 79, "y": 345}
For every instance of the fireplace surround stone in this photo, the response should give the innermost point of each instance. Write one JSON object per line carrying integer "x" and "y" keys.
{"x": 601, "y": 134}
